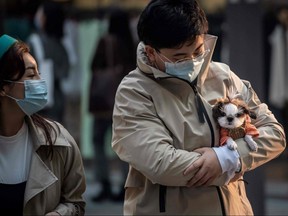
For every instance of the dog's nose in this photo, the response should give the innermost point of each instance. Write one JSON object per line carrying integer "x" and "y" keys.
{"x": 230, "y": 119}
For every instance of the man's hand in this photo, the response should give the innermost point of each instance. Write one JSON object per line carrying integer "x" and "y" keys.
{"x": 209, "y": 168}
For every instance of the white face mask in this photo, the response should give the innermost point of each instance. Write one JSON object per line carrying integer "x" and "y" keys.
{"x": 186, "y": 69}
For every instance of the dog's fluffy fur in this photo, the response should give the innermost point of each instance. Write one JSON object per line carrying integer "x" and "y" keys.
{"x": 234, "y": 120}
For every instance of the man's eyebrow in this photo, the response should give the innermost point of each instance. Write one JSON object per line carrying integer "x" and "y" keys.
{"x": 181, "y": 54}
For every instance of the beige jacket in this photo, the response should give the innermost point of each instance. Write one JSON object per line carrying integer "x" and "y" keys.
{"x": 57, "y": 184}
{"x": 156, "y": 128}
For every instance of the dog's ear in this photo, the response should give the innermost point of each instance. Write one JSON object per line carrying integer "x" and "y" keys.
{"x": 252, "y": 115}
{"x": 216, "y": 110}
{"x": 248, "y": 112}
{"x": 245, "y": 109}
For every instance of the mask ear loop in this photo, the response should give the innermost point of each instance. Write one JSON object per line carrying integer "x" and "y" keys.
{"x": 11, "y": 97}
{"x": 15, "y": 82}
{"x": 155, "y": 63}
{"x": 10, "y": 81}
{"x": 156, "y": 66}
{"x": 160, "y": 54}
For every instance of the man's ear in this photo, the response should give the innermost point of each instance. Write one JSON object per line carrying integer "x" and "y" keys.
{"x": 2, "y": 93}
{"x": 3, "y": 90}
{"x": 150, "y": 51}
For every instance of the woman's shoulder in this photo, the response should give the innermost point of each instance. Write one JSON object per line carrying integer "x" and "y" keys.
{"x": 64, "y": 137}
{"x": 58, "y": 133}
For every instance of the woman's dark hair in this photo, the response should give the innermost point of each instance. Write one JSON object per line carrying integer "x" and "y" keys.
{"x": 12, "y": 67}
{"x": 55, "y": 17}
{"x": 171, "y": 23}
{"x": 12, "y": 63}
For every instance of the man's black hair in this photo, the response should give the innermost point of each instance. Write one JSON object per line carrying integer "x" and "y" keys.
{"x": 171, "y": 23}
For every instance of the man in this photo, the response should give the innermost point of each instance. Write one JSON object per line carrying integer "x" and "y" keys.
{"x": 163, "y": 125}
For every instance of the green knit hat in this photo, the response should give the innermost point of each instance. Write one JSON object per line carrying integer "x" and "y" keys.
{"x": 5, "y": 43}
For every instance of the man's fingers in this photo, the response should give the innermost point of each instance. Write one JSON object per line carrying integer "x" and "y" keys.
{"x": 200, "y": 150}
{"x": 193, "y": 167}
{"x": 194, "y": 180}
{"x": 198, "y": 180}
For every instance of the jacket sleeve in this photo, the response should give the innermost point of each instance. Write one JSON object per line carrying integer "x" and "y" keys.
{"x": 142, "y": 139}
{"x": 73, "y": 185}
{"x": 271, "y": 140}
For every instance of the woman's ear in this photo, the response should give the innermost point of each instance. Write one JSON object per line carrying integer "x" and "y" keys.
{"x": 150, "y": 51}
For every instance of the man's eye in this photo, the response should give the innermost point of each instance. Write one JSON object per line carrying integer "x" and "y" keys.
{"x": 182, "y": 60}
{"x": 179, "y": 60}
{"x": 197, "y": 54}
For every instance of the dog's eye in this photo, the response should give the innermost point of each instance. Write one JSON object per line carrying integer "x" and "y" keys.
{"x": 238, "y": 115}
{"x": 222, "y": 114}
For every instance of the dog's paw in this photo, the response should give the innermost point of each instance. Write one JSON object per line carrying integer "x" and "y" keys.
{"x": 251, "y": 143}
{"x": 231, "y": 144}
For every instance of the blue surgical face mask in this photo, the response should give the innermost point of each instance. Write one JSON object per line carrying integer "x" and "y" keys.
{"x": 35, "y": 96}
{"x": 186, "y": 69}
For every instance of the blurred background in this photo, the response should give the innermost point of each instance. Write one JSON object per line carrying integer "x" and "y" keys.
{"x": 253, "y": 40}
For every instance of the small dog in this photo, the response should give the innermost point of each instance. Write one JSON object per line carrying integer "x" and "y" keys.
{"x": 233, "y": 116}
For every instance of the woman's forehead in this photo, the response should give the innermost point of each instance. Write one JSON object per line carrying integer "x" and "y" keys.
{"x": 28, "y": 60}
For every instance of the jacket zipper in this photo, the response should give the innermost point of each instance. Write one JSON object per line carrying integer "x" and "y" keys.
{"x": 202, "y": 114}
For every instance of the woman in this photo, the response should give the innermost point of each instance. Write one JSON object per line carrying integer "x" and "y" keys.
{"x": 41, "y": 170}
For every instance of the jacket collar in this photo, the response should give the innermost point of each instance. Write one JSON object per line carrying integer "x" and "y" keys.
{"x": 40, "y": 175}
{"x": 145, "y": 66}
{"x": 40, "y": 178}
